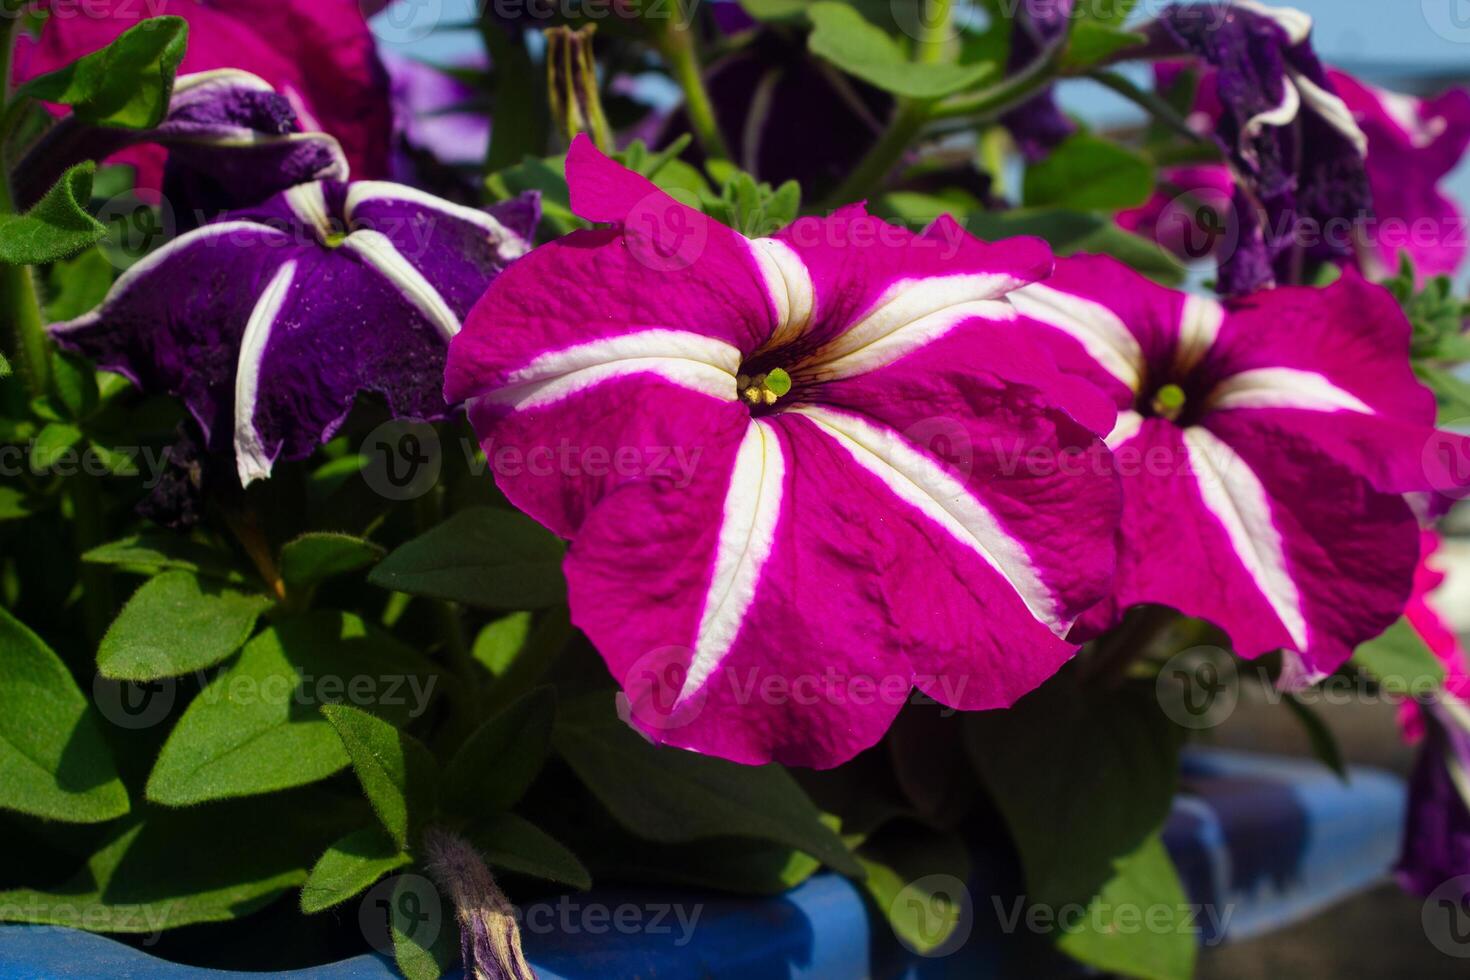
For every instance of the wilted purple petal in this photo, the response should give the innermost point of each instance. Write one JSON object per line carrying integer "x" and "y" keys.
{"x": 232, "y": 141}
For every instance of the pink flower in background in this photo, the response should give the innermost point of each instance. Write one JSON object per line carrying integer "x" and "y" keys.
{"x": 800, "y": 474}
{"x": 1265, "y": 448}
{"x": 1430, "y": 624}
{"x": 1413, "y": 144}
{"x": 319, "y": 54}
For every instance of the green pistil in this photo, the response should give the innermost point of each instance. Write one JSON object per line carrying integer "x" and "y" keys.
{"x": 763, "y": 389}
{"x": 1169, "y": 402}
{"x": 334, "y": 239}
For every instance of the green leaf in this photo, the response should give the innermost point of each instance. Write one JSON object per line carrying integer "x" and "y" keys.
{"x": 672, "y": 796}
{"x": 1450, "y": 390}
{"x": 54, "y": 760}
{"x": 917, "y": 879}
{"x": 176, "y": 624}
{"x": 126, "y": 84}
{"x": 75, "y": 385}
{"x": 396, "y": 770}
{"x": 497, "y": 764}
{"x": 1141, "y": 924}
{"x": 1092, "y": 42}
{"x": 1073, "y": 232}
{"x": 1401, "y": 661}
{"x": 349, "y": 867}
{"x": 547, "y": 178}
{"x": 1088, "y": 173}
{"x": 482, "y": 556}
{"x": 155, "y": 551}
{"x": 57, "y": 226}
{"x": 13, "y": 504}
{"x": 729, "y": 864}
{"x": 54, "y": 447}
{"x": 498, "y": 643}
{"x": 77, "y": 285}
{"x": 257, "y": 727}
{"x": 1324, "y": 743}
{"x": 320, "y": 555}
{"x": 425, "y": 943}
{"x": 843, "y": 37}
{"x": 511, "y": 843}
{"x": 5, "y": 369}
{"x": 1064, "y": 750}
{"x": 164, "y": 869}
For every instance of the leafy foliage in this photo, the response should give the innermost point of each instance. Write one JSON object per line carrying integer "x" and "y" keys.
{"x": 58, "y": 226}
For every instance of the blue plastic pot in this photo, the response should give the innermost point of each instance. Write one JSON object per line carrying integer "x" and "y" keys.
{"x": 1261, "y": 842}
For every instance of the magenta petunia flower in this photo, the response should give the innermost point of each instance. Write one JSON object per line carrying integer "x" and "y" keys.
{"x": 1428, "y": 621}
{"x": 1265, "y": 449}
{"x": 800, "y": 474}
{"x": 1413, "y": 144}
{"x": 319, "y": 54}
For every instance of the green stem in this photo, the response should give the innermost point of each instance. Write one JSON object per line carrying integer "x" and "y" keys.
{"x": 520, "y": 113}
{"x": 464, "y": 694}
{"x": 990, "y": 102}
{"x": 909, "y": 118}
{"x": 1115, "y": 653}
{"x": 89, "y": 529}
{"x": 1151, "y": 102}
{"x": 20, "y": 308}
{"x": 676, "y": 44}
{"x": 936, "y": 31}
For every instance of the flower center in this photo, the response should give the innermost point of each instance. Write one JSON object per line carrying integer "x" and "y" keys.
{"x": 763, "y": 389}
{"x": 1169, "y": 402}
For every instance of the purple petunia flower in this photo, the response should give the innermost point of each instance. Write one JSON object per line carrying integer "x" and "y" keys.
{"x": 1288, "y": 134}
{"x": 799, "y": 474}
{"x": 232, "y": 141}
{"x": 1436, "y": 845}
{"x": 431, "y": 110}
{"x": 1413, "y": 144}
{"x": 1265, "y": 449}
{"x": 1038, "y": 125}
{"x": 269, "y": 322}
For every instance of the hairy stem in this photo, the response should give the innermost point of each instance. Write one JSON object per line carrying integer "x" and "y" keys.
{"x": 908, "y": 119}
{"x": 676, "y": 44}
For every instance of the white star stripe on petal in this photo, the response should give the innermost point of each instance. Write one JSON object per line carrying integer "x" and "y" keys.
{"x": 1098, "y": 329}
{"x": 910, "y": 315}
{"x": 747, "y": 537}
{"x": 1296, "y": 23}
{"x": 922, "y": 483}
{"x": 1331, "y": 108}
{"x": 380, "y": 254}
{"x": 309, "y": 203}
{"x": 690, "y": 360}
{"x": 156, "y": 258}
{"x": 251, "y": 458}
{"x": 789, "y": 284}
{"x": 1281, "y": 387}
{"x": 1199, "y": 326}
{"x": 1235, "y": 495}
{"x": 1127, "y": 426}
{"x": 381, "y": 190}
